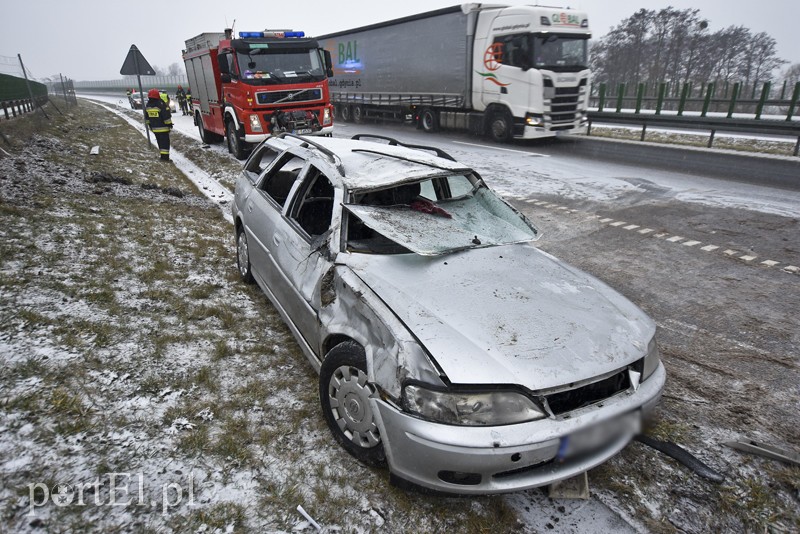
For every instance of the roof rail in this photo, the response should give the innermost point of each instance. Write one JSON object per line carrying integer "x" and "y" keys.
{"x": 336, "y": 160}
{"x": 426, "y": 163}
{"x": 394, "y": 142}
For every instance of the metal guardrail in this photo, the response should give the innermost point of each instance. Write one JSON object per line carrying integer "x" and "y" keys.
{"x": 19, "y": 106}
{"x": 713, "y": 125}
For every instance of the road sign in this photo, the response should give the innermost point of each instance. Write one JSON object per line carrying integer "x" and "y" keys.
{"x": 136, "y": 64}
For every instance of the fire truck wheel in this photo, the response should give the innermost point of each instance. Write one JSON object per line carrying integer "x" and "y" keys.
{"x": 347, "y": 115}
{"x": 235, "y": 141}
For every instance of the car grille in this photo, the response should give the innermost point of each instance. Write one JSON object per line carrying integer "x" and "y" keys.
{"x": 566, "y": 401}
{"x": 270, "y": 97}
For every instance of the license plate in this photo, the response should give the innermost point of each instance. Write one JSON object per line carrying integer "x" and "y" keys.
{"x": 303, "y": 131}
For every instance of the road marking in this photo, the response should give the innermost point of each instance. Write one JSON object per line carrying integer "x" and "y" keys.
{"x": 792, "y": 269}
{"x": 606, "y": 220}
{"x": 747, "y": 257}
{"x": 534, "y": 154}
{"x": 618, "y": 223}
{"x": 675, "y": 239}
{"x": 709, "y": 248}
{"x": 645, "y": 231}
{"x": 631, "y": 227}
{"x": 691, "y": 243}
{"x": 730, "y": 252}
{"x": 663, "y": 234}
{"x": 770, "y": 263}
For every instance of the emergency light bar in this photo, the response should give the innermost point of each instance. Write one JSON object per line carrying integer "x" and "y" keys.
{"x": 279, "y": 35}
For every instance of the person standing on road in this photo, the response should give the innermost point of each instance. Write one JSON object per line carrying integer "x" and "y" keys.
{"x": 159, "y": 120}
{"x": 180, "y": 94}
{"x": 189, "y": 101}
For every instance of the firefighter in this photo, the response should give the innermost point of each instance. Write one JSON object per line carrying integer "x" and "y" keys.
{"x": 159, "y": 120}
{"x": 180, "y": 94}
{"x": 189, "y": 101}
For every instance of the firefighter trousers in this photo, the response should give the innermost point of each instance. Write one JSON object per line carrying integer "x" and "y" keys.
{"x": 162, "y": 138}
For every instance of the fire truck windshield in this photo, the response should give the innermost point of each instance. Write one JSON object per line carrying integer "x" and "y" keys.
{"x": 263, "y": 66}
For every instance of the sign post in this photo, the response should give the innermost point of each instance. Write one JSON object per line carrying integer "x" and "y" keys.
{"x": 135, "y": 63}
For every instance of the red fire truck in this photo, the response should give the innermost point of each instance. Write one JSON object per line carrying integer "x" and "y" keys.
{"x": 261, "y": 83}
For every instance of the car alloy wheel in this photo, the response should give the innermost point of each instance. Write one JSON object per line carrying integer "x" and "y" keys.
{"x": 345, "y": 396}
{"x": 243, "y": 257}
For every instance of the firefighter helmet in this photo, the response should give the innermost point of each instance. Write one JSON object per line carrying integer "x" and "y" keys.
{"x": 153, "y": 93}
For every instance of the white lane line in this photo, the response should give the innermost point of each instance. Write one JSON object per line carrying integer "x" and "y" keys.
{"x": 770, "y": 263}
{"x": 731, "y": 252}
{"x": 747, "y": 258}
{"x": 709, "y": 248}
{"x": 618, "y": 223}
{"x": 645, "y": 231}
{"x": 606, "y": 220}
{"x": 631, "y": 227}
{"x": 662, "y": 234}
{"x": 675, "y": 239}
{"x": 534, "y": 154}
{"x": 792, "y": 269}
{"x": 691, "y": 243}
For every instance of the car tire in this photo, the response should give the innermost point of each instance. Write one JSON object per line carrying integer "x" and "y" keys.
{"x": 429, "y": 120}
{"x": 345, "y": 394}
{"x": 205, "y": 135}
{"x": 235, "y": 141}
{"x": 501, "y": 126}
{"x": 243, "y": 257}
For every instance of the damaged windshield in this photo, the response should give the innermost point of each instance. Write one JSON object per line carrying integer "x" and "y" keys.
{"x": 433, "y": 217}
{"x": 264, "y": 66}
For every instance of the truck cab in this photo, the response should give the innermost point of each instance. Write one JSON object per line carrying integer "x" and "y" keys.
{"x": 531, "y": 73}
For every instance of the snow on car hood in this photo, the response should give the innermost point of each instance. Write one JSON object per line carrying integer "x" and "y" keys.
{"x": 508, "y": 315}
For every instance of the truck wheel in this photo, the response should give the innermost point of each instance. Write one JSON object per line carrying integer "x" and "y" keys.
{"x": 358, "y": 114}
{"x": 205, "y": 136}
{"x": 347, "y": 115}
{"x": 235, "y": 141}
{"x": 501, "y": 126}
{"x": 429, "y": 120}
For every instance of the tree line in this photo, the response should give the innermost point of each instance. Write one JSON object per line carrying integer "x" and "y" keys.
{"x": 675, "y": 45}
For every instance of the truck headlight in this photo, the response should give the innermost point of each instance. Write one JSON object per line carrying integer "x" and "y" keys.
{"x": 255, "y": 123}
{"x": 326, "y": 116}
{"x": 532, "y": 119}
{"x": 470, "y": 409}
{"x": 651, "y": 360}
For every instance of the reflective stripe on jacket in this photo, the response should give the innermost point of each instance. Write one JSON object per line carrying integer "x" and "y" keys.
{"x": 159, "y": 118}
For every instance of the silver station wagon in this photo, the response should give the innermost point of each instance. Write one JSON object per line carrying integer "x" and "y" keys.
{"x": 448, "y": 346}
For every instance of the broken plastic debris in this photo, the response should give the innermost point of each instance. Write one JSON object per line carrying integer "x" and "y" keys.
{"x": 309, "y": 518}
{"x": 767, "y": 451}
{"x": 95, "y": 150}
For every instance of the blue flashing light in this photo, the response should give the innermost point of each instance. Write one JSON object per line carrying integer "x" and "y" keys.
{"x": 250, "y": 35}
{"x": 295, "y": 34}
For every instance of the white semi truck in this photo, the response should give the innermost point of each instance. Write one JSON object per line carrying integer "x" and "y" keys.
{"x": 509, "y": 72}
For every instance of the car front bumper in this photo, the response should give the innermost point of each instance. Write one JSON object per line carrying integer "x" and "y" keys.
{"x": 481, "y": 460}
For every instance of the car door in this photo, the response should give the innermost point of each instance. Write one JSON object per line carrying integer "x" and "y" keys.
{"x": 511, "y": 82}
{"x": 304, "y": 255}
{"x": 264, "y": 217}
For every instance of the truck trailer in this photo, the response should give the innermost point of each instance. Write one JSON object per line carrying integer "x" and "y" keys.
{"x": 261, "y": 83}
{"x": 509, "y": 72}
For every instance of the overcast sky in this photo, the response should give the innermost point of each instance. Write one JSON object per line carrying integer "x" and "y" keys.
{"x": 89, "y": 39}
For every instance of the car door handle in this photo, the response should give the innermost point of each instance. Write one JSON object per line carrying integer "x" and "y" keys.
{"x": 276, "y": 239}
{"x": 249, "y": 207}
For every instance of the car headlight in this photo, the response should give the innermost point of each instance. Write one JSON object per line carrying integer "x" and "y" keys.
{"x": 651, "y": 360}
{"x": 255, "y": 124}
{"x": 470, "y": 409}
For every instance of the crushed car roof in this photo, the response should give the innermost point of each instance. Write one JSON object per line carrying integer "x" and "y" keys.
{"x": 372, "y": 165}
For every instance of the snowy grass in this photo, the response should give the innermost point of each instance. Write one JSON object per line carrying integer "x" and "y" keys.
{"x": 129, "y": 346}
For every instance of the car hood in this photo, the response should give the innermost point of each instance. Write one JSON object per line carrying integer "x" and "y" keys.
{"x": 508, "y": 315}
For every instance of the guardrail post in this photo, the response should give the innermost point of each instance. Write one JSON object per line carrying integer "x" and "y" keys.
{"x": 639, "y": 95}
{"x": 763, "y": 99}
{"x": 602, "y": 102}
{"x": 736, "y": 88}
{"x": 783, "y": 90}
{"x": 684, "y": 93}
{"x": 709, "y": 95}
{"x": 662, "y": 89}
{"x": 620, "y": 95}
{"x": 792, "y": 105}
